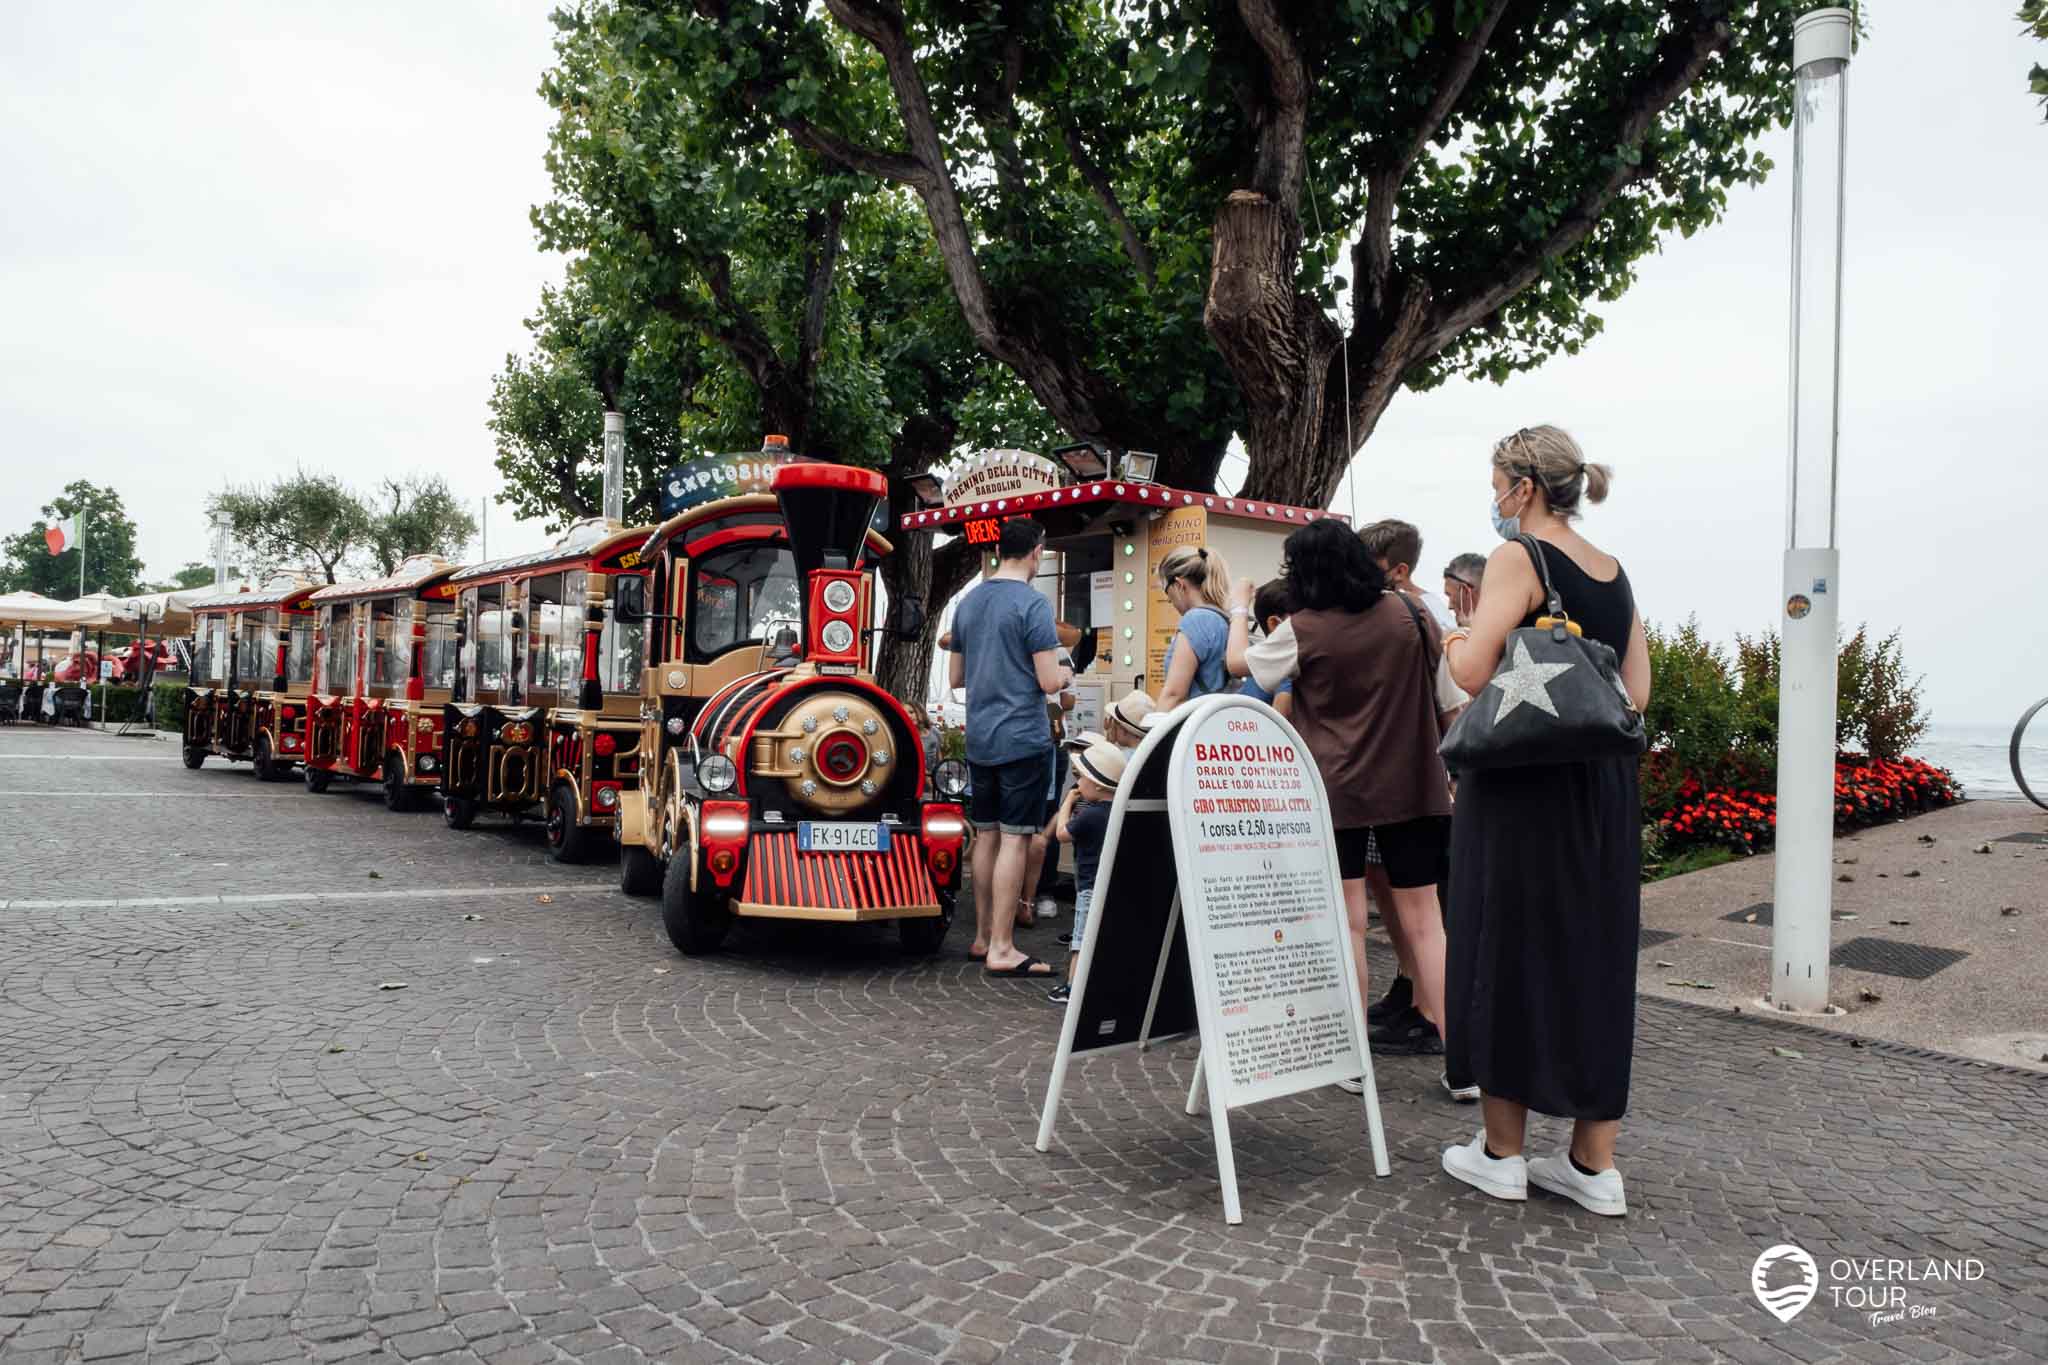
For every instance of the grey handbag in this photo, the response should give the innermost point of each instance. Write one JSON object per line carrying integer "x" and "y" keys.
{"x": 1557, "y": 697}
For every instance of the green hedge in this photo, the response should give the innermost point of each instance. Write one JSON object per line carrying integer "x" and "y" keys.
{"x": 119, "y": 702}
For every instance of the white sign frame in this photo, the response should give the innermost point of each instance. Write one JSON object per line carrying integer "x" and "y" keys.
{"x": 1211, "y": 1069}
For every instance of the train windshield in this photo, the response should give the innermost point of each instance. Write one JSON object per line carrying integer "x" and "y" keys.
{"x": 741, "y": 595}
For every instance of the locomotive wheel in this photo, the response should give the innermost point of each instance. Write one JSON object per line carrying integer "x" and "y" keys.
{"x": 697, "y": 921}
{"x": 458, "y": 811}
{"x": 317, "y": 779}
{"x": 922, "y": 937}
{"x": 397, "y": 795}
{"x": 568, "y": 842}
{"x": 639, "y": 871}
{"x": 265, "y": 763}
{"x": 194, "y": 756}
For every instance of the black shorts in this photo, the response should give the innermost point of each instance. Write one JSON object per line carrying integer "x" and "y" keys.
{"x": 1010, "y": 795}
{"x": 1413, "y": 851}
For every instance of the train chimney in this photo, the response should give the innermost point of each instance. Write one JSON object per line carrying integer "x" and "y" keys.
{"x": 827, "y": 509}
{"x": 615, "y": 467}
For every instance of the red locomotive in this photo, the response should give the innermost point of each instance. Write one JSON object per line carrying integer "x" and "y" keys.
{"x": 778, "y": 780}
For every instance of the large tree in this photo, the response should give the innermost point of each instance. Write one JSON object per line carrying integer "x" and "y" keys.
{"x": 1150, "y": 213}
{"x": 416, "y": 515}
{"x": 726, "y": 283}
{"x": 109, "y": 548}
{"x": 315, "y": 522}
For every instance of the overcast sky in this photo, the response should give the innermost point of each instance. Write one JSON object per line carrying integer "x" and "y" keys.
{"x": 239, "y": 237}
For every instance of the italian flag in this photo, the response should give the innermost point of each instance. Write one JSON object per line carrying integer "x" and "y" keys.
{"x": 65, "y": 535}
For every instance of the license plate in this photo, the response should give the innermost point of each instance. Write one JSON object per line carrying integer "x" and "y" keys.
{"x": 841, "y": 836}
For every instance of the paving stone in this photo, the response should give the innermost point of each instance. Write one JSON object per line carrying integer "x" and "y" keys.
{"x": 562, "y": 1139}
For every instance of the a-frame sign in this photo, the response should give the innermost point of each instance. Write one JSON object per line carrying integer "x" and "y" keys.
{"x": 1218, "y": 910}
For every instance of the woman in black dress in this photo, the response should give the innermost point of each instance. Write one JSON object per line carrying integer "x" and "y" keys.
{"x": 1545, "y": 897}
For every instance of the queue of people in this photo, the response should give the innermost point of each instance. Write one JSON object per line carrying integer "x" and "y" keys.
{"x": 1510, "y": 898}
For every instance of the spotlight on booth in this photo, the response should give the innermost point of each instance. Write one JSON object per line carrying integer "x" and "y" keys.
{"x": 1138, "y": 466}
{"x": 930, "y": 491}
{"x": 1084, "y": 460}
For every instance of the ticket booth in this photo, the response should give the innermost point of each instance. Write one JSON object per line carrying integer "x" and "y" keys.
{"x": 1107, "y": 526}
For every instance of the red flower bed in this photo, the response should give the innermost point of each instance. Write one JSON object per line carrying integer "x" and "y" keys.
{"x": 1867, "y": 792}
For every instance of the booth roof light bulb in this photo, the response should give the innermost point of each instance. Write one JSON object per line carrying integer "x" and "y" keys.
{"x": 1130, "y": 577}
{"x": 1127, "y": 661}
{"x": 1130, "y": 549}
{"x": 1127, "y": 602}
{"x": 1127, "y": 632}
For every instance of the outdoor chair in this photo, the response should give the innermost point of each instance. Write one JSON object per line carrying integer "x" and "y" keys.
{"x": 71, "y": 706}
{"x": 32, "y": 701}
{"x": 10, "y": 704}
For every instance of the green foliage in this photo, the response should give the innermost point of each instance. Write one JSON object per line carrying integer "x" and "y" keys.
{"x": 1086, "y": 149}
{"x": 305, "y": 521}
{"x": 418, "y": 516}
{"x": 2033, "y": 17}
{"x": 194, "y": 574}
{"x": 1878, "y": 708}
{"x": 316, "y": 522}
{"x": 116, "y": 703}
{"x": 109, "y": 547}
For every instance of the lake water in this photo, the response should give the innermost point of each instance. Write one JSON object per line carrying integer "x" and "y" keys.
{"x": 1980, "y": 758}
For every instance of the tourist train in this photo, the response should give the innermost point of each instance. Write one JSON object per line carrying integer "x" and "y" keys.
{"x": 701, "y": 692}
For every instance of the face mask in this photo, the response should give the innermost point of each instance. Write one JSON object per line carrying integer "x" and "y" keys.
{"x": 1508, "y": 527}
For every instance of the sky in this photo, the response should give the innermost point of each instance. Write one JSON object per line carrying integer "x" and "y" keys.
{"x": 239, "y": 238}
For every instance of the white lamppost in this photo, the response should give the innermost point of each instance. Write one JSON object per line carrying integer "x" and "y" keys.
{"x": 1802, "y": 896}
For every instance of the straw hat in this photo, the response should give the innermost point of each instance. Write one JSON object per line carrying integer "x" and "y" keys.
{"x": 1131, "y": 709}
{"x": 1101, "y": 761}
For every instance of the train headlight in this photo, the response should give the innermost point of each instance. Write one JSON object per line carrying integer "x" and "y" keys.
{"x": 839, "y": 595}
{"x": 951, "y": 777}
{"x": 676, "y": 726}
{"x": 717, "y": 773}
{"x": 837, "y": 636}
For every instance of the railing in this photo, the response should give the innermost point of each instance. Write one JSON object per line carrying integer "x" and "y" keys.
{"x": 2019, "y": 734}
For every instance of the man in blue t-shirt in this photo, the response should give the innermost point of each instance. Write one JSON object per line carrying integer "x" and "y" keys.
{"x": 1004, "y": 653}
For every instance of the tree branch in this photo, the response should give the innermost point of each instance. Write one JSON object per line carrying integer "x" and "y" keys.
{"x": 1372, "y": 259}
{"x": 1683, "y": 55}
{"x": 821, "y": 255}
{"x": 1282, "y": 114}
{"x": 1105, "y": 194}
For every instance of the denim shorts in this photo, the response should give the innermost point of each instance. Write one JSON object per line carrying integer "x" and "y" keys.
{"x": 1082, "y": 901}
{"x": 1010, "y": 795}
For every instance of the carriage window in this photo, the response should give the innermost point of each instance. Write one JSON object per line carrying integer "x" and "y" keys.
{"x": 298, "y": 655}
{"x": 487, "y": 631}
{"x": 337, "y": 649}
{"x": 388, "y": 644}
{"x": 251, "y": 658}
{"x": 741, "y": 594}
{"x": 544, "y": 628}
{"x": 438, "y": 665}
{"x": 620, "y": 648}
{"x": 204, "y": 655}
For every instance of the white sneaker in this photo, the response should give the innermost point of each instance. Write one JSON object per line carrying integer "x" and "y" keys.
{"x": 1599, "y": 1194}
{"x": 1463, "y": 1094}
{"x": 1352, "y": 1085}
{"x": 1047, "y": 908}
{"x": 1504, "y": 1177}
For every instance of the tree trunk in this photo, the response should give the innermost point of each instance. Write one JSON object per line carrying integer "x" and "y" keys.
{"x": 1278, "y": 344}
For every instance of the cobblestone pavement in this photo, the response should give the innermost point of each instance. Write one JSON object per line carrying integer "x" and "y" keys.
{"x": 220, "y": 1138}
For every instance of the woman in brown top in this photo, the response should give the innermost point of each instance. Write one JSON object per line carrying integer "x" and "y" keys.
{"x": 1363, "y": 668}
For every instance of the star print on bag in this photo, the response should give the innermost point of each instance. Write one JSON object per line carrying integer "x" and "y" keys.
{"x": 1528, "y": 681}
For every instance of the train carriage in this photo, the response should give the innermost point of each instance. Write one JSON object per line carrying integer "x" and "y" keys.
{"x": 779, "y": 780}
{"x": 384, "y": 669}
{"x": 252, "y": 664}
{"x": 544, "y": 715}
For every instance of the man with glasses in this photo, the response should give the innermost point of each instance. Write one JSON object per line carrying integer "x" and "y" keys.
{"x": 1461, "y": 585}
